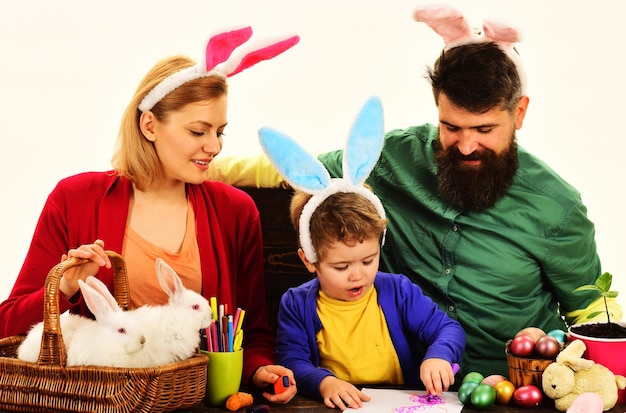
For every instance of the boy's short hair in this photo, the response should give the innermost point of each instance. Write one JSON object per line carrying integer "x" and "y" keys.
{"x": 343, "y": 216}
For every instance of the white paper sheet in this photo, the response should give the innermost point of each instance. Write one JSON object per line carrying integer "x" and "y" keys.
{"x": 408, "y": 401}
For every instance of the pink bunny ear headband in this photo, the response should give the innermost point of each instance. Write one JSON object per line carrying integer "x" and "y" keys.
{"x": 455, "y": 30}
{"x": 219, "y": 60}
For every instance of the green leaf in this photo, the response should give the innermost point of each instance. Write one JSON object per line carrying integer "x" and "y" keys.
{"x": 604, "y": 282}
{"x": 610, "y": 294}
{"x": 587, "y": 288}
{"x": 592, "y": 315}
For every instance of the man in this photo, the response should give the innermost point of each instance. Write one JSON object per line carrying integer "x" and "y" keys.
{"x": 487, "y": 230}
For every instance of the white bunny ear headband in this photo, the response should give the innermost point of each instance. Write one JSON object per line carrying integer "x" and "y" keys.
{"x": 306, "y": 173}
{"x": 219, "y": 60}
{"x": 455, "y": 30}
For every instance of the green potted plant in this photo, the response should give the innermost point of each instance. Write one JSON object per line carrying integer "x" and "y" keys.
{"x": 605, "y": 330}
{"x": 605, "y": 341}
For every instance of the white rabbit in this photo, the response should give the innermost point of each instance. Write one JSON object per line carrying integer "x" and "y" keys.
{"x": 116, "y": 339}
{"x": 31, "y": 346}
{"x": 175, "y": 327}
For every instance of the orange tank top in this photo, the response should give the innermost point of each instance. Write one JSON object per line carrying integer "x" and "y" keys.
{"x": 140, "y": 256}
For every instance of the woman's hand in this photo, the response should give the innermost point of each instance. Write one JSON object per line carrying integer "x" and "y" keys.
{"x": 341, "y": 394}
{"x": 68, "y": 284}
{"x": 268, "y": 375}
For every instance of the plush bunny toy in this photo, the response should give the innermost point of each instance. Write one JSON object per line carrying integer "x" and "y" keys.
{"x": 306, "y": 173}
{"x": 572, "y": 376}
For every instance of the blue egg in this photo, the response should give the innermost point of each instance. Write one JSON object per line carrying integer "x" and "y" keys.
{"x": 559, "y": 335}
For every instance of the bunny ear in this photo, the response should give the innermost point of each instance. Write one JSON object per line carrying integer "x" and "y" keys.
{"x": 219, "y": 60}
{"x": 264, "y": 50}
{"x": 169, "y": 280}
{"x": 446, "y": 21}
{"x": 99, "y": 305}
{"x": 220, "y": 46}
{"x": 102, "y": 289}
{"x": 302, "y": 170}
{"x": 506, "y": 36}
{"x": 365, "y": 142}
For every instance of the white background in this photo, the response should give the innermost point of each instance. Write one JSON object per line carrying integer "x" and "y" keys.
{"x": 69, "y": 68}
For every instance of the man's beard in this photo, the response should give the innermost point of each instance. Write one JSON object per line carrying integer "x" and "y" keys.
{"x": 475, "y": 188}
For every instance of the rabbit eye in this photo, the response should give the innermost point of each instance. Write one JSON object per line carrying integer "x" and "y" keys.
{"x": 196, "y": 306}
{"x": 121, "y": 330}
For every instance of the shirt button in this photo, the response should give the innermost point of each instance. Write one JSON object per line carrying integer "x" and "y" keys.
{"x": 451, "y": 308}
{"x": 455, "y": 228}
{"x": 447, "y": 271}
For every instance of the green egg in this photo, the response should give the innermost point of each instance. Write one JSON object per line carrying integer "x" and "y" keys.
{"x": 465, "y": 391}
{"x": 483, "y": 396}
{"x": 473, "y": 376}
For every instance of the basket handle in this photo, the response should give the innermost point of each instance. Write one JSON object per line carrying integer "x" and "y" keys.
{"x": 52, "y": 350}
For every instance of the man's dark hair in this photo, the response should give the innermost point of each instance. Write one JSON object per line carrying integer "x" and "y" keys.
{"x": 476, "y": 77}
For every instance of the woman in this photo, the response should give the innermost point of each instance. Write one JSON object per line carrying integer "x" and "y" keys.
{"x": 156, "y": 202}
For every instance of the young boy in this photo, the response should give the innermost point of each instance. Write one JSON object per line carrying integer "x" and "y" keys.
{"x": 352, "y": 323}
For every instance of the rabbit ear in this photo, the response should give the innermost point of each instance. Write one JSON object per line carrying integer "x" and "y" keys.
{"x": 220, "y": 46}
{"x": 99, "y": 305}
{"x": 101, "y": 288}
{"x": 169, "y": 280}
{"x": 446, "y": 21}
{"x": 302, "y": 170}
{"x": 365, "y": 142}
{"x": 504, "y": 35}
{"x": 264, "y": 50}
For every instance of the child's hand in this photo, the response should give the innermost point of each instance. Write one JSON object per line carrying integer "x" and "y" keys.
{"x": 267, "y": 375}
{"x": 437, "y": 376}
{"x": 341, "y": 394}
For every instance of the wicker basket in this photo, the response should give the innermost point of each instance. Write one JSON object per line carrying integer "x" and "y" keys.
{"x": 49, "y": 385}
{"x": 523, "y": 370}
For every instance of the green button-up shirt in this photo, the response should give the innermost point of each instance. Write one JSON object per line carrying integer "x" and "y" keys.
{"x": 496, "y": 272}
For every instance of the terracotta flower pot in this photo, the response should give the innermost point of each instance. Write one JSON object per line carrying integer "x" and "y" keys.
{"x": 610, "y": 352}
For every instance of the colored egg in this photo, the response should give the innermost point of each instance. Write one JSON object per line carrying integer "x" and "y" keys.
{"x": 504, "y": 391}
{"x": 473, "y": 376}
{"x": 560, "y": 335}
{"x": 522, "y": 346}
{"x": 483, "y": 396}
{"x": 465, "y": 391}
{"x": 527, "y": 396}
{"x": 493, "y": 379}
{"x": 548, "y": 347}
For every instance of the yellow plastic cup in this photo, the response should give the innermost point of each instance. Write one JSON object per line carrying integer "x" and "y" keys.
{"x": 224, "y": 371}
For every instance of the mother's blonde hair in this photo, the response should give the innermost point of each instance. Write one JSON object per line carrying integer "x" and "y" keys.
{"x": 135, "y": 156}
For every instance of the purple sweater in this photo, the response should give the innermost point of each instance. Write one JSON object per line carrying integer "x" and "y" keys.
{"x": 418, "y": 329}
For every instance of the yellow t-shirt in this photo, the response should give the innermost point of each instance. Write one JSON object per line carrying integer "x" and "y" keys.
{"x": 140, "y": 256}
{"x": 354, "y": 343}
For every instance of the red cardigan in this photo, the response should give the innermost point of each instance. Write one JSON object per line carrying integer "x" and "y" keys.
{"x": 94, "y": 205}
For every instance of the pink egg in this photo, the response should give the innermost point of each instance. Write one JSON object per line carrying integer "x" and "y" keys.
{"x": 493, "y": 379}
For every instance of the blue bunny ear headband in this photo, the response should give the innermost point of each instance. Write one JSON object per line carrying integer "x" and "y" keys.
{"x": 306, "y": 173}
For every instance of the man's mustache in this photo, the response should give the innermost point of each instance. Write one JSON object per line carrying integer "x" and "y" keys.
{"x": 474, "y": 156}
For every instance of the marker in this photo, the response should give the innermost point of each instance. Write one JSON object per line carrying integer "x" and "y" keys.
{"x": 259, "y": 408}
{"x": 213, "y": 301}
{"x": 455, "y": 368}
{"x": 230, "y": 332}
{"x": 242, "y": 313}
{"x": 238, "y": 340}
{"x": 215, "y": 337}
{"x": 281, "y": 384}
{"x": 236, "y": 318}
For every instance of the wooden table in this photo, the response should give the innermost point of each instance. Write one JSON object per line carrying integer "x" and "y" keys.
{"x": 305, "y": 405}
